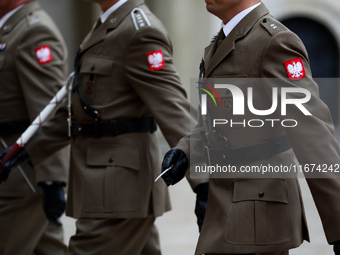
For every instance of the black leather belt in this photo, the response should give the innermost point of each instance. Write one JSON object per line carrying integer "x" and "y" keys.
{"x": 114, "y": 127}
{"x": 14, "y": 127}
{"x": 263, "y": 150}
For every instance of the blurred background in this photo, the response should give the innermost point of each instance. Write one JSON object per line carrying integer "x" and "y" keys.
{"x": 191, "y": 28}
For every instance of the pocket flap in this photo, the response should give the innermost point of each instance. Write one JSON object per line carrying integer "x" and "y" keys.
{"x": 102, "y": 66}
{"x": 108, "y": 155}
{"x": 271, "y": 190}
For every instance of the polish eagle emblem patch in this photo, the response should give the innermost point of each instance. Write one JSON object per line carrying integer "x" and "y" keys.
{"x": 295, "y": 69}
{"x": 2, "y": 46}
{"x": 156, "y": 60}
{"x": 43, "y": 54}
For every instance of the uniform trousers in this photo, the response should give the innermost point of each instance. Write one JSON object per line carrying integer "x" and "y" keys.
{"x": 24, "y": 229}
{"x": 135, "y": 236}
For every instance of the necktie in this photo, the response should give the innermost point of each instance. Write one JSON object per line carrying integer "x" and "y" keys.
{"x": 97, "y": 24}
{"x": 220, "y": 38}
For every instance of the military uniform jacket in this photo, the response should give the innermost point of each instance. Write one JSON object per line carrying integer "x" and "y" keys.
{"x": 113, "y": 176}
{"x": 28, "y": 82}
{"x": 239, "y": 219}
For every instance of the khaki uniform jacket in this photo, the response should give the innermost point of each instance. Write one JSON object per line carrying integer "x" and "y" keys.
{"x": 238, "y": 219}
{"x": 27, "y": 86}
{"x": 113, "y": 177}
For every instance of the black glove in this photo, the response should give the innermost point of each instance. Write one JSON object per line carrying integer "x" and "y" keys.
{"x": 201, "y": 203}
{"x": 179, "y": 161}
{"x": 20, "y": 158}
{"x": 336, "y": 247}
{"x": 54, "y": 202}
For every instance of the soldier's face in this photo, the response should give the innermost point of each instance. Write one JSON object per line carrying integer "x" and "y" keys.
{"x": 8, "y": 5}
{"x": 104, "y": 4}
{"x": 4, "y": 3}
{"x": 227, "y": 9}
{"x": 100, "y": 2}
{"x": 220, "y": 7}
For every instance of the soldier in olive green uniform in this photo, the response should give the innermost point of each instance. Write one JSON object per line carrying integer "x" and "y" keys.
{"x": 32, "y": 69}
{"x": 125, "y": 83}
{"x": 264, "y": 215}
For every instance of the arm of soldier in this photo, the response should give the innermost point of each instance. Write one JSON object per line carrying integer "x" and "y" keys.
{"x": 161, "y": 89}
{"x": 187, "y": 154}
{"x": 179, "y": 159}
{"x": 313, "y": 138}
{"x": 192, "y": 146}
{"x": 52, "y": 172}
{"x": 41, "y": 67}
{"x": 50, "y": 138}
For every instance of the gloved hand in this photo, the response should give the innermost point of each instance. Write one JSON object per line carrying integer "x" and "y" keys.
{"x": 201, "y": 202}
{"x": 336, "y": 247}
{"x": 20, "y": 158}
{"x": 54, "y": 202}
{"x": 179, "y": 160}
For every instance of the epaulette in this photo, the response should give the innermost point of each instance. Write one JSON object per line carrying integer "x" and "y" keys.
{"x": 139, "y": 18}
{"x": 272, "y": 26}
{"x": 31, "y": 19}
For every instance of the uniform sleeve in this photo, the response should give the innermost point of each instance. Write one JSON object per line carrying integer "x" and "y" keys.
{"x": 313, "y": 138}
{"x": 192, "y": 145}
{"x": 51, "y": 140}
{"x": 160, "y": 90}
{"x": 41, "y": 69}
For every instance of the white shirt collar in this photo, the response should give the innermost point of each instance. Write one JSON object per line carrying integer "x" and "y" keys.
{"x": 227, "y": 28}
{"x": 109, "y": 11}
{"x": 8, "y": 15}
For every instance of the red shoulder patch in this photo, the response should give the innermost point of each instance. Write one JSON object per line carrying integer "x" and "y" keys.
{"x": 43, "y": 54}
{"x": 156, "y": 60}
{"x": 295, "y": 69}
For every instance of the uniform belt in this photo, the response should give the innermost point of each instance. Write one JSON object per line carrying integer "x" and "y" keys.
{"x": 263, "y": 150}
{"x": 114, "y": 127}
{"x": 14, "y": 127}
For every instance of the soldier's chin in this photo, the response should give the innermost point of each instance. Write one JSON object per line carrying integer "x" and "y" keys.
{"x": 93, "y": 1}
{"x": 211, "y": 7}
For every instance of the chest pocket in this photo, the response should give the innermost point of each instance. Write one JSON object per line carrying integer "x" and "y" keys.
{"x": 96, "y": 80}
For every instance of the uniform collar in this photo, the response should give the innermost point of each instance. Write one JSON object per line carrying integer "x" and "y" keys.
{"x": 18, "y": 16}
{"x": 8, "y": 15}
{"x": 108, "y": 12}
{"x": 227, "y": 28}
{"x": 117, "y": 16}
{"x": 213, "y": 58}
{"x": 111, "y": 23}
